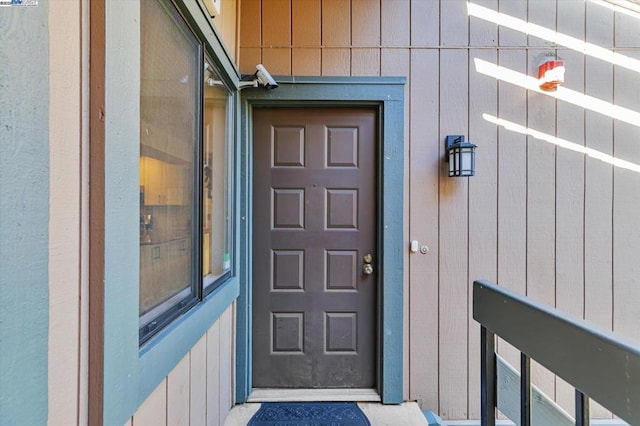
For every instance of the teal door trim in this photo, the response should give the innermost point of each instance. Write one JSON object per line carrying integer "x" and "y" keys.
{"x": 387, "y": 93}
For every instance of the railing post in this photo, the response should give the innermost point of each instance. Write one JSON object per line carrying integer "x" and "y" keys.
{"x": 582, "y": 409}
{"x": 525, "y": 390}
{"x": 488, "y": 388}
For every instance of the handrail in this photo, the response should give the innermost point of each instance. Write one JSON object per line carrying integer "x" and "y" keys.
{"x": 597, "y": 362}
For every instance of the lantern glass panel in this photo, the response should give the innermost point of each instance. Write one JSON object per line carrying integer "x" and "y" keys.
{"x": 466, "y": 157}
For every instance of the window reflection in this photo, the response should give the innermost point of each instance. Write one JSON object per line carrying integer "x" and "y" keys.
{"x": 216, "y": 190}
{"x": 170, "y": 58}
{"x": 186, "y": 131}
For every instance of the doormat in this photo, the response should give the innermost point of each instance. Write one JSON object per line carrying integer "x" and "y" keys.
{"x": 309, "y": 414}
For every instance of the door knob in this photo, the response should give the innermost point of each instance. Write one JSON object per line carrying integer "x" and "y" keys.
{"x": 367, "y": 268}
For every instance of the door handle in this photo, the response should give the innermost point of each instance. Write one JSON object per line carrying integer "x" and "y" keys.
{"x": 367, "y": 267}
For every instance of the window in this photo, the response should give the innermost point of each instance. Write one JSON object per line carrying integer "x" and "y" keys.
{"x": 185, "y": 169}
{"x": 217, "y": 197}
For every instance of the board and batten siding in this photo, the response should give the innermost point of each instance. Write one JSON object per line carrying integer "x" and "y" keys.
{"x": 199, "y": 390}
{"x": 226, "y": 22}
{"x": 547, "y": 215}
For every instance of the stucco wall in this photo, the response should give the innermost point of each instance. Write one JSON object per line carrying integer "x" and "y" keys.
{"x": 24, "y": 210}
{"x": 550, "y": 213}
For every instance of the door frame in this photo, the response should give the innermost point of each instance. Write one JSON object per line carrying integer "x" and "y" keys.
{"x": 387, "y": 95}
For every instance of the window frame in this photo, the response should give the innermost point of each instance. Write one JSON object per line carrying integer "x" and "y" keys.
{"x": 188, "y": 297}
{"x": 199, "y": 288}
{"x": 122, "y": 373}
{"x": 231, "y": 118}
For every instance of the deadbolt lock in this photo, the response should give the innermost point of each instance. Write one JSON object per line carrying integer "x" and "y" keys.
{"x": 367, "y": 258}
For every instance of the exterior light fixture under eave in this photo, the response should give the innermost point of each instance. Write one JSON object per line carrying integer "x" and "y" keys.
{"x": 460, "y": 155}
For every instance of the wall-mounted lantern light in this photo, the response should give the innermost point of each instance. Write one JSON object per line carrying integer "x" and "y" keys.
{"x": 550, "y": 72}
{"x": 461, "y": 156}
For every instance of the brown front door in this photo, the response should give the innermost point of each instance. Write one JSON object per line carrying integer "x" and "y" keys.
{"x": 314, "y": 223}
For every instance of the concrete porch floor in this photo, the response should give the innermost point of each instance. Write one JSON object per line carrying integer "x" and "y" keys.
{"x": 407, "y": 414}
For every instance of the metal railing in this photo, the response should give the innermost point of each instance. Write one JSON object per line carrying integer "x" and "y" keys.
{"x": 597, "y": 363}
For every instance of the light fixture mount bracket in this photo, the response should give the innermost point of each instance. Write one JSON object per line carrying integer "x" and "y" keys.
{"x": 449, "y": 141}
